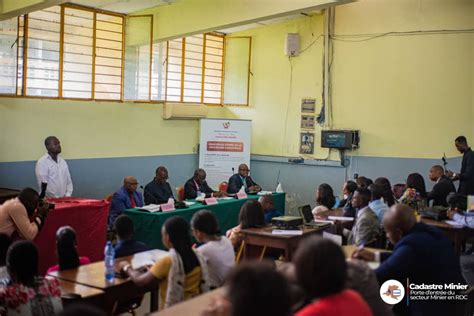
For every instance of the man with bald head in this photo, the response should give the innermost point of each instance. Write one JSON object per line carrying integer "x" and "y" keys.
{"x": 197, "y": 185}
{"x": 242, "y": 179}
{"x": 421, "y": 253}
{"x": 442, "y": 187}
{"x": 126, "y": 197}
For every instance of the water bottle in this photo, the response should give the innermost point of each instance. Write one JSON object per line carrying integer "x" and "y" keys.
{"x": 109, "y": 261}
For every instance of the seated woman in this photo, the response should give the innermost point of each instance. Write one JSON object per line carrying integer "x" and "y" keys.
{"x": 27, "y": 293}
{"x": 182, "y": 274}
{"x": 253, "y": 289}
{"x": 388, "y": 195}
{"x": 251, "y": 215}
{"x": 217, "y": 250}
{"x": 321, "y": 271}
{"x": 348, "y": 190}
{"x": 66, "y": 247}
{"x": 415, "y": 193}
{"x": 325, "y": 199}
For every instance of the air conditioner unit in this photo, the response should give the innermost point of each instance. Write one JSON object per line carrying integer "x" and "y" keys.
{"x": 186, "y": 111}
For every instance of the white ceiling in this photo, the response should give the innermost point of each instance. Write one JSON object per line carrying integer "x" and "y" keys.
{"x": 122, "y": 6}
{"x": 267, "y": 22}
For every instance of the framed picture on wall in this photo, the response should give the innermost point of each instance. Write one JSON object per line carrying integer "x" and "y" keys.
{"x": 307, "y": 122}
{"x": 307, "y": 143}
{"x": 308, "y": 105}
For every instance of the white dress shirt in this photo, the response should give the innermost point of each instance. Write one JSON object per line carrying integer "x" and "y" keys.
{"x": 56, "y": 175}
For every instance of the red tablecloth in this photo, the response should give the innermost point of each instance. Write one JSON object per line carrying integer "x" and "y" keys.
{"x": 87, "y": 217}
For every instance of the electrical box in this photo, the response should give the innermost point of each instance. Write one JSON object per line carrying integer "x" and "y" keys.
{"x": 340, "y": 139}
{"x": 292, "y": 44}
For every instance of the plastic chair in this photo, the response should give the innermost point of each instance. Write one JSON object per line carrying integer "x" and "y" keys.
{"x": 223, "y": 186}
{"x": 180, "y": 193}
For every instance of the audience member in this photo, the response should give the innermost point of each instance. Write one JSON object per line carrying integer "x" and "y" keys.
{"x": 363, "y": 182}
{"x": 66, "y": 246}
{"x": 53, "y": 170}
{"x": 377, "y": 203}
{"x": 242, "y": 179}
{"x": 253, "y": 289}
{"x": 158, "y": 191}
{"x": 457, "y": 205}
{"x": 15, "y": 215}
{"x": 28, "y": 294}
{"x": 348, "y": 190}
{"x": 388, "y": 194}
{"x": 5, "y": 242}
{"x": 182, "y": 274}
{"x": 197, "y": 185}
{"x": 466, "y": 176}
{"x": 217, "y": 250}
{"x": 321, "y": 271}
{"x": 415, "y": 192}
{"x": 251, "y": 215}
{"x": 126, "y": 197}
{"x": 325, "y": 199}
{"x": 366, "y": 228}
{"x": 269, "y": 208}
{"x": 443, "y": 186}
{"x": 398, "y": 190}
{"x": 422, "y": 254}
{"x": 126, "y": 244}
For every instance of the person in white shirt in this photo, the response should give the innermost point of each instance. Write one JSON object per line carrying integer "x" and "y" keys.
{"x": 53, "y": 170}
{"x": 217, "y": 250}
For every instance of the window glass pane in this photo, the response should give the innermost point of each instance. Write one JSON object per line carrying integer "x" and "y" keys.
{"x": 8, "y": 56}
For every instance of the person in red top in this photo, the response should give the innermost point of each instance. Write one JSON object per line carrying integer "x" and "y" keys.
{"x": 321, "y": 271}
{"x": 66, "y": 250}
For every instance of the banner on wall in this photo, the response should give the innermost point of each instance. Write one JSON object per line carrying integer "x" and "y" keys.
{"x": 224, "y": 145}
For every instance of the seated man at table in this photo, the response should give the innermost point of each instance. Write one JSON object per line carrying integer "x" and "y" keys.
{"x": 158, "y": 191}
{"x": 126, "y": 245}
{"x": 457, "y": 204}
{"x": 126, "y": 197}
{"x": 242, "y": 179}
{"x": 377, "y": 204}
{"x": 197, "y": 185}
{"x": 366, "y": 228}
{"x": 422, "y": 253}
{"x": 443, "y": 186}
{"x": 15, "y": 215}
{"x": 269, "y": 208}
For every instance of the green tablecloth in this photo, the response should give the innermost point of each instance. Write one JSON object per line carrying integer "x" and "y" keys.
{"x": 148, "y": 225}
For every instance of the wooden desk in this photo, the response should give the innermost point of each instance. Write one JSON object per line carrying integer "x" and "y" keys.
{"x": 194, "y": 306}
{"x": 349, "y": 250}
{"x": 264, "y": 237}
{"x": 6, "y": 194}
{"x": 73, "y": 292}
{"x": 93, "y": 275}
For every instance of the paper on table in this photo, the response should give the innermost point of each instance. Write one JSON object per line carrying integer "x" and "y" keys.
{"x": 454, "y": 224}
{"x": 287, "y": 232}
{"x": 336, "y": 238}
{"x": 189, "y": 203}
{"x": 151, "y": 208}
{"x": 323, "y": 221}
{"x": 341, "y": 218}
{"x": 142, "y": 259}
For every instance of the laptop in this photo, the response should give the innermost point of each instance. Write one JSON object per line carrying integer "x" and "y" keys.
{"x": 308, "y": 219}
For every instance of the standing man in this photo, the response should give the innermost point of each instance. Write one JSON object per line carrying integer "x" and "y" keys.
{"x": 158, "y": 191}
{"x": 442, "y": 187}
{"x": 198, "y": 184}
{"x": 53, "y": 170}
{"x": 242, "y": 179}
{"x": 466, "y": 176}
{"x": 126, "y": 197}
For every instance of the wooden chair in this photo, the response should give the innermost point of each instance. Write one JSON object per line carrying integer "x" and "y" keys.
{"x": 108, "y": 198}
{"x": 180, "y": 193}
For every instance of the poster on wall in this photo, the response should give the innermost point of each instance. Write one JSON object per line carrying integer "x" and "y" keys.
{"x": 224, "y": 145}
{"x": 307, "y": 143}
{"x": 308, "y": 105}
{"x": 307, "y": 122}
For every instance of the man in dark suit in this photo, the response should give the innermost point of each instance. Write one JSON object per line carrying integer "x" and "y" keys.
{"x": 466, "y": 176}
{"x": 198, "y": 184}
{"x": 442, "y": 187}
{"x": 422, "y": 254}
{"x": 126, "y": 197}
{"x": 158, "y": 191}
{"x": 242, "y": 179}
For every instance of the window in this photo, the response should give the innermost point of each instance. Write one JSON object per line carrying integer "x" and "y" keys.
{"x": 194, "y": 69}
{"x": 8, "y": 56}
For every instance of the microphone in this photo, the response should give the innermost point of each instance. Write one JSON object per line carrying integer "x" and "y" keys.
{"x": 233, "y": 170}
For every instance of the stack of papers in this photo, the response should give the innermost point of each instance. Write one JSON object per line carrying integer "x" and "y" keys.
{"x": 265, "y": 193}
{"x": 151, "y": 208}
{"x": 341, "y": 218}
{"x": 287, "y": 232}
{"x": 454, "y": 224}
